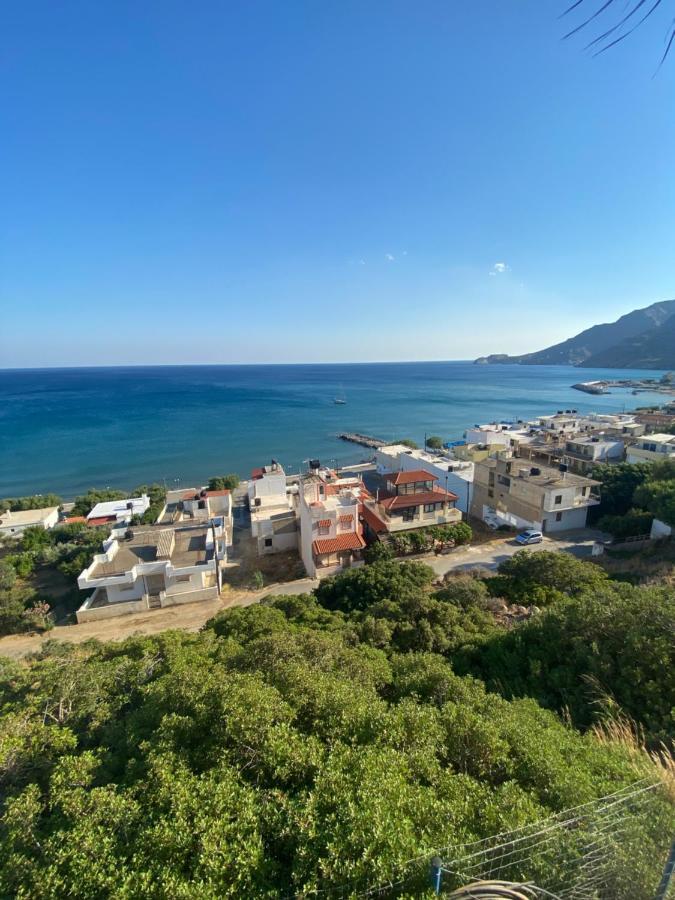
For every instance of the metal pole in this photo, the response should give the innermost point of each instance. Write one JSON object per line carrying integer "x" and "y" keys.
{"x": 436, "y": 873}
{"x": 668, "y": 870}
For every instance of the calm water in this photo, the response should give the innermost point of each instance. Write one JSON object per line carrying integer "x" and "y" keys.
{"x": 66, "y": 430}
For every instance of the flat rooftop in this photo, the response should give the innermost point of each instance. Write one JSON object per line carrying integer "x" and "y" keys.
{"x": 26, "y": 516}
{"x": 150, "y": 545}
{"x": 547, "y": 477}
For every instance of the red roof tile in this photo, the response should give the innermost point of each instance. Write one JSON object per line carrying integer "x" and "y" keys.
{"x": 410, "y": 477}
{"x": 401, "y": 502}
{"x": 257, "y": 473}
{"x": 346, "y": 520}
{"x": 222, "y": 493}
{"x": 370, "y": 516}
{"x": 101, "y": 520}
{"x": 348, "y": 541}
{"x": 70, "y": 520}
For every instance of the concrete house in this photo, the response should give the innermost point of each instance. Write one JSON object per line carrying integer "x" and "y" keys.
{"x": 652, "y": 448}
{"x": 118, "y": 512}
{"x": 274, "y": 522}
{"x": 151, "y": 567}
{"x": 328, "y": 507}
{"x": 16, "y": 522}
{"x": 454, "y": 475}
{"x": 410, "y": 500}
{"x": 582, "y": 453}
{"x": 510, "y": 491}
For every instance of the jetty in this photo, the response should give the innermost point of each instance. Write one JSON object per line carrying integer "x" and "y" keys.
{"x": 591, "y": 387}
{"x": 365, "y": 440}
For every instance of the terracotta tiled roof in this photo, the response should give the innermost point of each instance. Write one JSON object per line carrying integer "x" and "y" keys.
{"x": 371, "y": 517}
{"x": 257, "y": 473}
{"x": 348, "y": 541}
{"x": 435, "y": 496}
{"x": 70, "y": 520}
{"x": 324, "y": 523}
{"x": 346, "y": 520}
{"x": 222, "y": 493}
{"x": 191, "y": 495}
{"x": 410, "y": 477}
{"x": 102, "y": 520}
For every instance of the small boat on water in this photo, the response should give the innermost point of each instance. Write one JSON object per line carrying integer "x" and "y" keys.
{"x": 340, "y": 399}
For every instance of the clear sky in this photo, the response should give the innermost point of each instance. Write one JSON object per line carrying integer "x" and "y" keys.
{"x": 312, "y": 180}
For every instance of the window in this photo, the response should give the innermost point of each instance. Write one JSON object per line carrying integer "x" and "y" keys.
{"x": 257, "y": 501}
{"x": 431, "y": 507}
{"x": 491, "y": 493}
{"x": 558, "y": 499}
{"x": 558, "y": 517}
{"x": 502, "y": 479}
{"x": 181, "y": 579}
{"x": 408, "y": 514}
{"x": 268, "y": 542}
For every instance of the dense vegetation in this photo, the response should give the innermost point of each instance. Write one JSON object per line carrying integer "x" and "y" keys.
{"x": 315, "y": 742}
{"x": 224, "y": 482}
{"x": 632, "y": 495}
{"x": 157, "y": 496}
{"x": 35, "y": 501}
{"x": 32, "y": 563}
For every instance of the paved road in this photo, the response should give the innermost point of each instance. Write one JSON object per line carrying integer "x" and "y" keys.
{"x": 490, "y": 555}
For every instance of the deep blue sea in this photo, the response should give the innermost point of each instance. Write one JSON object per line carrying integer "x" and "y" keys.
{"x": 66, "y": 430}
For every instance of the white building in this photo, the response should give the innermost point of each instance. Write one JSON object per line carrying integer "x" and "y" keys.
{"x": 499, "y": 433}
{"x": 16, "y": 522}
{"x": 451, "y": 474}
{"x": 652, "y": 448}
{"x": 118, "y": 511}
{"x": 331, "y": 536}
{"x": 151, "y": 567}
{"x": 273, "y": 517}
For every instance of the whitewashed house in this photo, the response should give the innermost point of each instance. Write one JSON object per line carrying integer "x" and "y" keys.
{"x": 118, "y": 512}
{"x": 13, "y": 523}
{"x": 274, "y": 523}
{"x": 453, "y": 475}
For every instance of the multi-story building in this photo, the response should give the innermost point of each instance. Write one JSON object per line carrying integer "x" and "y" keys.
{"x": 274, "y": 522}
{"x": 652, "y": 448}
{"x": 150, "y": 567}
{"x": 510, "y": 491}
{"x": 581, "y": 454}
{"x": 16, "y": 522}
{"x": 331, "y": 537}
{"x": 411, "y": 499}
{"x": 455, "y": 475}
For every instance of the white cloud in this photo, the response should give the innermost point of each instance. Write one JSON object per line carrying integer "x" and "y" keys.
{"x": 389, "y": 257}
{"x": 499, "y": 268}
{"x": 362, "y": 262}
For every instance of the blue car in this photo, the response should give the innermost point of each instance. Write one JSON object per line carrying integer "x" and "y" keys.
{"x": 530, "y": 537}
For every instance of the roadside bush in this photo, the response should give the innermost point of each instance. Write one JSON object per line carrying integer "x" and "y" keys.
{"x": 378, "y": 552}
{"x": 634, "y": 522}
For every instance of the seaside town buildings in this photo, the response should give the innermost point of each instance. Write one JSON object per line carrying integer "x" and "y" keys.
{"x": 151, "y": 567}
{"x": 13, "y": 523}
{"x": 117, "y": 512}
{"x": 331, "y": 534}
{"x": 652, "y": 448}
{"x": 411, "y": 499}
{"x": 274, "y": 522}
{"x": 510, "y": 491}
{"x": 524, "y": 474}
{"x": 454, "y": 475}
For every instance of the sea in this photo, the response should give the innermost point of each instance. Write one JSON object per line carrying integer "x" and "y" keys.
{"x": 67, "y": 430}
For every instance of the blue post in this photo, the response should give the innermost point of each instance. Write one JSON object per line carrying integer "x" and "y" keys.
{"x": 662, "y": 889}
{"x": 436, "y": 873}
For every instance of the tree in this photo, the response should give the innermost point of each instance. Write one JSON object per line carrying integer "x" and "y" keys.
{"x": 36, "y": 501}
{"x": 435, "y": 442}
{"x": 378, "y": 552}
{"x": 658, "y": 497}
{"x": 408, "y": 442}
{"x": 224, "y": 482}
{"x": 542, "y": 578}
{"x": 619, "y": 482}
{"x": 635, "y": 522}
{"x": 360, "y": 588}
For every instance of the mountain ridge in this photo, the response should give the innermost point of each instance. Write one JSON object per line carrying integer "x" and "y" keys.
{"x": 638, "y": 339}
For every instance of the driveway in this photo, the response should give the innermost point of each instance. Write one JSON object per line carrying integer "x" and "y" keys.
{"x": 490, "y": 555}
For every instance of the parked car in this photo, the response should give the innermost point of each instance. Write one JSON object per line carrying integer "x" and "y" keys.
{"x": 530, "y": 537}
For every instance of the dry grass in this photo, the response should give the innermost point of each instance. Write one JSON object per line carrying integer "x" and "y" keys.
{"x": 659, "y": 763}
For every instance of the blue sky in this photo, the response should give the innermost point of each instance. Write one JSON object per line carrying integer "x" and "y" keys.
{"x": 322, "y": 181}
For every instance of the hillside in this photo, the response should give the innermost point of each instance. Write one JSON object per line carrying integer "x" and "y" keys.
{"x": 624, "y": 342}
{"x": 653, "y": 349}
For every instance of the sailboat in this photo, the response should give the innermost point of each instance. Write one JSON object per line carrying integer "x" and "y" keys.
{"x": 340, "y": 400}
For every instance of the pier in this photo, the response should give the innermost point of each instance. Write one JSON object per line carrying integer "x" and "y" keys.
{"x": 365, "y": 440}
